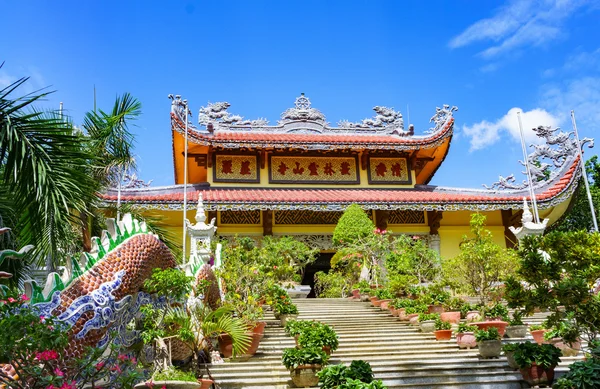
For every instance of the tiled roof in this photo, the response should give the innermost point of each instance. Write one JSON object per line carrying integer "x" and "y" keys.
{"x": 227, "y": 138}
{"x": 423, "y": 197}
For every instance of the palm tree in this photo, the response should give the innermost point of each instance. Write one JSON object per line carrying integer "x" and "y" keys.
{"x": 42, "y": 185}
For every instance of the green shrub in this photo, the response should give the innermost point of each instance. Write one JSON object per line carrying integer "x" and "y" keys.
{"x": 517, "y": 319}
{"x": 356, "y": 384}
{"x": 428, "y": 316}
{"x": 173, "y": 374}
{"x": 489, "y": 334}
{"x": 354, "y": 224}
{"x": 294, "y": 357}
{"x": 332, "y": 377}
{"x": 581, "y": 375}
{"x": 565, "y": 330}
{"x": 442, "y": 325}
{"x": 510, "y": 347}
{"x": 285, "y": 308}
{"x": 464, "y": 327}
{"x": 320, "y": 335}
{"x": 296, "y": 327}
{"x": 544, "y": 355}
{"x": 330, "y": 285}
{"x": 383, "y": 294}
{"x": 497, "y": 310}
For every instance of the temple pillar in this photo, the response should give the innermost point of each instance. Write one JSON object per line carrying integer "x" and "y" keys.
{"x": 381, "y": 219}
{"x": 267, "y": 222}
{"x": 434, "y": 219}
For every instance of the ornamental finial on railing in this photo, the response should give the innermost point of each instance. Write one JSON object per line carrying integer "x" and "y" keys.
{"x": 565, "y": 149}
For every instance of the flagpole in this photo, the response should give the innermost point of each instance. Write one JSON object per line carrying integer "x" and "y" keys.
{"x": 185, "y": 180}
{"x": 583, "y": 172}
{"x": 526, "y": 159}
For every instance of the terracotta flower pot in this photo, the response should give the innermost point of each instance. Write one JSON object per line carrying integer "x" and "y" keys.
{"x": 437, "y": 308}
{"x": 377, "y": 303}
{"x": 490, "y": 348}
{"x": 253, "y": 347}
{"x": 413, "y": 318}
{"x": 205, "y": 383}
{"x": 466, "y": 340}
{"x": 327, "y": 350}
{"x": 394, "y": 312}
{"x": 538, "y": 336}
{"x": 450, "y": 317}
{"x": 373, "y": 300}
{"x": 473, "y": 316}
{"x": 259, "y": 328}
{"x": 500, "y": 325}
{"x": 536, "y": 376}
{"x": 402, "y": 314}
{"x": 443, "y": 334}
{"x": 356, "y": 293}
{"x": 305, "y": 376}
{"x": 225, "y": 345}
{"x": 385, "y": 304}
{"x": 568, "y": 350}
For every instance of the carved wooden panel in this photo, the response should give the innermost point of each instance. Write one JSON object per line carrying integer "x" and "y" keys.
{"x": 306, "y": 217}
{"x": 240, "y": 217}
{"x": 406, "y": 217}
{"x": 388, "y": 170}
{"x": 313, "y": 169}
{"x": 236, "y": 168}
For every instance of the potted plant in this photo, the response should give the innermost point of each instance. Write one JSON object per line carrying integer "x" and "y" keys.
{"x": 363, "y": 290}
{"x": 435, "y": 298}
{"x": 412, "y": 313}
{"x": 452, "y": 310}
{"x": 537, "y": 332}
{"x": 304, "y": 364}
{"x": 582, "y": 374}
{"x": 488, "y": 342}
{"x": 427, "y": 321}
{"x": 295, "y": 327}
{"x": 497, "y": 312}
{"x": 565, "y": 336}
{"x": 172, "y": 378}
{"x": 333, "y": 376}
{"x": 537, "y": 362}
{"x": 465, "y": 336}
{"x": 287, "y": 311}
{"x": 516, "y": 328}
{"x": 382, "y": 296}
{"x": 509, "y": 351}
{"x": 443, "y": 330}
{"x": 319, "y": 336}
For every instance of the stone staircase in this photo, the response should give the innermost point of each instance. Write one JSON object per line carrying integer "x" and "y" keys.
{"x": 399, "y": 354}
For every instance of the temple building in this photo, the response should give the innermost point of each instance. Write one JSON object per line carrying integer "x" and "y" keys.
{"x": 296, "y": 177}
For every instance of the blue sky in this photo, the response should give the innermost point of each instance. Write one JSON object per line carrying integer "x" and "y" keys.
{"x": 486, "y": 57}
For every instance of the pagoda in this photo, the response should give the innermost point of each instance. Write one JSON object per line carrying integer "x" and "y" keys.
{"x": 297, "y": 176}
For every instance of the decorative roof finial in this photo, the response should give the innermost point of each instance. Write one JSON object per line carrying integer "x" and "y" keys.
{"x": 302, "y": 102}
{"x": 200, "y": 216}
{"x": 527, "y": 216}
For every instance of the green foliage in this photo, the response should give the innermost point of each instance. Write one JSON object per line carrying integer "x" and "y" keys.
{"x": 497, "y": 310}
{"x": 581, "y": 375}
{"x": 454, "y": 304}
{"x": 544, "y": 355}
{"x": 400, "y": 284}
{"x": 172, "y": 283}
{"x": 565, "y": 330}
{"x": 536, "y": 327}
{"x": 357, "y": 384}
{"x": 442, "y": 325}
{"x": 354, "y": 224}
{"x": 333, "y": 376}
{"x": 560, "y": 270}
{"x": 481, "y": 263}
{"x": 330, "y": 285}
{"x": 362, "y": 286}
{"x": 173, "y": 374}
{"x": 403, "y": 303}
{"x": 489, "y": 334}
{"x": 383, "y": 294}
{"x": 428, "y": 316}
{"x": 418, "y": 308}
{"x": 464, "y": 327}
{"x": 296, "y": 327}
{"x": 517, "y": 319}
{"x": 285, "y": 308}
{"x": 294, "y": 357}
{"x": 281, "y": 258}
{"x": 414, "y": 259}
{"x": 318, "y": 335}
{"x": 510, "y": 347}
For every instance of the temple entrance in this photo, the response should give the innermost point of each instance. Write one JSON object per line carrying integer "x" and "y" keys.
{"x": 323, "y": 263}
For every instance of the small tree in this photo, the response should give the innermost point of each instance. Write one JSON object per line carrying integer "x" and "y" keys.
{"x": 412, "y": 257}
{"x": 352, "y": 226}
{"x": 481, "y": 264}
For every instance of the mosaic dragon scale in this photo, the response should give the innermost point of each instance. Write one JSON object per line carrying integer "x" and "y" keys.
{"x": 101, "y": 293}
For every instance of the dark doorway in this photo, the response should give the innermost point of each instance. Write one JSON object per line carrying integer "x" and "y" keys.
{"x": 323, "y": 263}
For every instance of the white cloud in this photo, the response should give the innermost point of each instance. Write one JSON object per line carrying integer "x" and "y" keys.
{"x": 520, "y": 24}
{"x": 581, "y": 95}
{"x": 486, "y": 133}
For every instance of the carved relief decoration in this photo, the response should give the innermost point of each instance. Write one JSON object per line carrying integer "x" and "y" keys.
{"x": 306, "y": 217}
{"x": 240, "y": 217}
{"x": 406, "y": 217}
{"x": 313, "y": 169}
{"x": 388, "y": 171}
{"x": 235, "y": 168}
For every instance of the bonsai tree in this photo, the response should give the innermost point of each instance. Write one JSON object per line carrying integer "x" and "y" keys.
{"x": 412, "y": 258}
{"x": 354, "y": 224}
{"x": 481, "y": 263}
{"x": 284, "y": 258}
{"x": 560, "y": 269}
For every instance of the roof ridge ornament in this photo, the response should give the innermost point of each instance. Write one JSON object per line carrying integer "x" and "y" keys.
{"x": 441, "y": 117}
{"x": 385, "y": 117}
{"x": 216, "y": 113}
{"x": 302, "y": 111}
{"x": 543, "y": 172}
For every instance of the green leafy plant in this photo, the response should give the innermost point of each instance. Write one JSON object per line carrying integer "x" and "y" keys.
{"x": 536, "y": 327}
{"x": 173, "y": 374}
{"x": 517, "y": 319}
{"x": 383, "y": 294}
{"x": 497, "y": 310}
{"x": 362, "y": 286}
{"x": 353, "y": 225}
{"x": 285, "y": 308}
{"x": 320, "y": 335}
{"x": 419, "y": 308}
{"x": 581, "y": 375}
{"x": 172, "y": 283}
{"x": 330, "y": 285}
{"x": 293, "y": 357}
{"x": 489, "y": 334}
{"x": 464, "y": 327}
{"x": 565, "y": 330}
{"x": 333, "y": 376}
{"x": 442, "y": 325}
{"x": 428, "y": 316}
{"x": 357, "y": 384}
{"x": 545, "y": 355}
{"x": 454, "y": 304}
{"x": 296, "y": 327}
{"x": 510, "y": 347}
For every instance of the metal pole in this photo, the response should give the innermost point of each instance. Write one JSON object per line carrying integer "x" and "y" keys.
{"x": 583, "y": 172}
{"x": 185, "y": 181}
{"x": 526, "y": 159}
